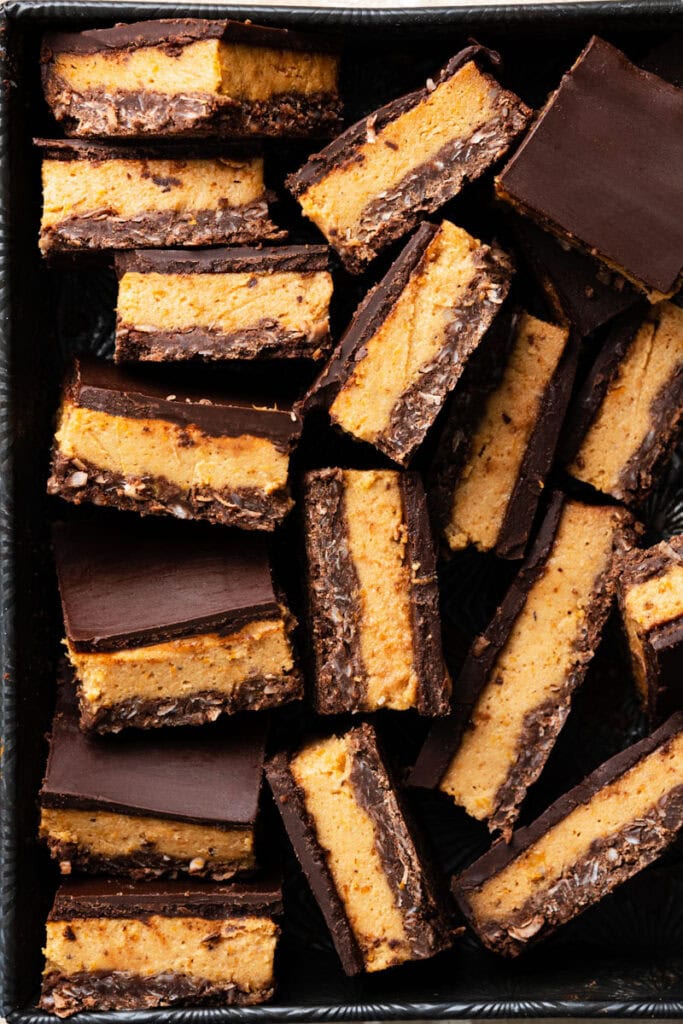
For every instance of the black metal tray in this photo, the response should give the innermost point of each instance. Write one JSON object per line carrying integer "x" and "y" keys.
{"x": 624, "y": 957}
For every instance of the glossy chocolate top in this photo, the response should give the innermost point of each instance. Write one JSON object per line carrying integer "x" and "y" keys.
{"x": 110, "y": 897}
{"x": 274, "y": 259}
{"x": 176, "y": 32}
{"x": 209, "y": 776}
{"x": 600, "y": 165}
{"x": 138, "y": 584}
{"x": 161, "y": 149}
{"x": 135, "y": 393}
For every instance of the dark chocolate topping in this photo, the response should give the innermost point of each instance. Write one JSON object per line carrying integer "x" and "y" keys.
{"x": 212, "y": 777}
{"x": 147, "y": 584}
{"x": 160, "y": 149}
{"x": 291, "y": 803}
{"x": 177, "y": 32}
{"x": 597, "y": 165}
{"x": 283, "y": 259}
{"x": 374, "y": 308}
{"x": 637, "y": 566}
{"x": 581, "y": 289}
{"x": 335, "y": 154}
{"x": 101, "y": 386}
{"x": 107, "y": 897}
{"x": 502, "y": 854}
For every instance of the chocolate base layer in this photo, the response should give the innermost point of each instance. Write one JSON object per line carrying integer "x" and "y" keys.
{"x": 266, "y": 339}
{"x": 247, "y": 508}
{"x": 103, "y": 229}
{"x": 101, "y": 112}
{"x": 65, "y": 995}
{"x": 197, "y": 709}
{"x": 71, "y": 856}
{"x": 609, "y": 861}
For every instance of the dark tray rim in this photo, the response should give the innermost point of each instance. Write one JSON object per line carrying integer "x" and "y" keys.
{"x": 518, "y": 12}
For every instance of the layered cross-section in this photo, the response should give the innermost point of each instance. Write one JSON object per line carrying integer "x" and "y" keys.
{"x": 171, "y": 627}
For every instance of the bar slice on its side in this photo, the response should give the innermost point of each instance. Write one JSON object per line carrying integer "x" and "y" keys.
{"x": 373, "y": 183}
{"x": 373, "y": 593}
{"x": 596, "y": 168}
{"x": 127, "y": 440}
{"x": 594, "y": 838}
{"x": 500, "y": 433}
{"x": 101, "y": 196}
{"x": 410, "y": 338}
{"x": 169, "y": 626}
{"x": 627, "y": 416}
{"x": 516, "y": 686}
{"x": 151, "y": 806}
{"x": 136, "y": 945}
{"x": 348, "y": 830}
{"x": 224, "y": 304}
{"x": 651, "y": 601}
{"x": 581, "y": 290}
{"x": 191, "y": 77}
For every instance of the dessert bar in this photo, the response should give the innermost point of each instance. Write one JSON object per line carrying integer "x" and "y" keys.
{"x": 101, "y": 196}
{"x": 651, "y": 600}
{"x": 348, "y": 830}
{"x": 515, "y": 689}
{"x": 373, "y": 595}
{"x": 224, "y": 304}
{"x": 170, "y": 625}
{"x": 190, "y": 76}
{"x": 126, "y": 440}
{"x": 627, "y": 415}
{"x": 151, "y": 806}
{"x": 136, "y": 945}
{"x": 500, "y": 433}
{"x": 596, "y": 168}
{"x": 596, "y": 836}
{"x": 410, "y": 338}
{"x": 373, "y": 183}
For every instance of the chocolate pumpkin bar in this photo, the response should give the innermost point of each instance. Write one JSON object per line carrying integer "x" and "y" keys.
{"x": 627, "y": 416}
{"x": 141, "y": 806}
{"x": 372, "y": 184}
{"x": 591, "y": 840}
{"x": 344, "y": 819}
{"x": 410, "y": 338}
{"x": 373, "y": 594}
{"x": 651, "y": 600}
{"x": 136, "y": 945}
{"x": 224, "y": 304}
{"x": 169, "y": 626}
{"x": 500, "y": 433}
{"x": 595, "y": 168}
{"x": 191, "y": 77}
{"x": 515, "y": 689}
{"x": 102, "y": 196}
{"x": 126, "y": 440}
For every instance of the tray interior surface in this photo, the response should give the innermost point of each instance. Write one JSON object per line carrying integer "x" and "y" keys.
{"x": 624, "y": 957}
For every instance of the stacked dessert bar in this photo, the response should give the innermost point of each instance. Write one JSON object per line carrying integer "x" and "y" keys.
{"x": 472, "y": 406}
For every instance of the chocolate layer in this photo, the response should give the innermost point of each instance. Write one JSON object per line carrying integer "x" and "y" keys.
{"x": 141, "y": 585}
{"x": 607, "y": 864}
{"x": 98, "y": 385}
{"x": 174, "y": 32}
{"x": 300, "y": 827}
{"x": 466, "y": 408}
{"x": 579, "y": 288}
{"x": 112, "y": 898}
{"x": 212, "y": 779}
{"x": 595, "y": 167}
{"x": 98, "y": 150}
{"x": 265, "y": 339}
{"x": 248, "y": 508}
{"x": 284, "y": 259}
